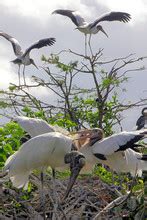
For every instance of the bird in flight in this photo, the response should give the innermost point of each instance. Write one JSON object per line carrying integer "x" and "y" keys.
{"x": 24, "y": 58}
{"x": 93, "y": 27}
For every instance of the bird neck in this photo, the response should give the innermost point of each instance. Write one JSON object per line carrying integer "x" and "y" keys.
{"x": 86, "y": 150}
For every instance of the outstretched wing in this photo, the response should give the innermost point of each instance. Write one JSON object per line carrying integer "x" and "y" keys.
{"x": 39, "y": 44}
{"x": 113, "y": 16}
{"x": 117, "y": 142}
{"x": 15, "y": 44}
{"x": 33, "y": 126}
{"x": 76, "y": 18}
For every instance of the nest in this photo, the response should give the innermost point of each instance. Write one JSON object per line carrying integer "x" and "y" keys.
{"x": 88, "y": 198}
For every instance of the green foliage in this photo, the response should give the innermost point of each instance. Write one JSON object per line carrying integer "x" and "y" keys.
{"x": 62, "y": 120}
{"x": 10, "y": 136}
{"x": 105, "y": 175}
{"x": 54, "y": 59}
{"x": 122, "y": 181}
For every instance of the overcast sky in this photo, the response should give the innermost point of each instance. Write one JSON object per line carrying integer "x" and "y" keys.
{"x": 31, "y": 20}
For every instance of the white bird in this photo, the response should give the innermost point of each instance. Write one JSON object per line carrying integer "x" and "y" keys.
{"x": 93, "y": 27}
{"x": 24, "y": 58}
{"x": 89, "y": 141}
{"x": 35, "y": 127}
{"x": 46, "y": 148}
{"x": 116, "y": 151}
{"x": 50, "y": 149}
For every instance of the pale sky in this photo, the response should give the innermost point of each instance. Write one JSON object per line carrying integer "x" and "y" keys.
{"x": 31, "y": 20}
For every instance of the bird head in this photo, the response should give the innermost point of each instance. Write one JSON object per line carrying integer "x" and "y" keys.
{"x": 100, "y": 28}
{"x": 33, "y": 63}
{"x": 77, "y": 162}
{"x": 90, "y": 136}
{"x": 144, "y": 110}
{"x": 97, "y": 134}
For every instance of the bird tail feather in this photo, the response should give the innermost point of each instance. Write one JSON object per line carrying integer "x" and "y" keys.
{"x": 20, "y": 180}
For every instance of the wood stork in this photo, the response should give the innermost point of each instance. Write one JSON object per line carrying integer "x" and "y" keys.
{"x": 24, "y": 58}
{"x": 93, "y": 27}
{"x": 35, "y": 127}
{"x": 50, "y": 149}
{"x": 141, "y": 120}
{"x": 116, "y": 151}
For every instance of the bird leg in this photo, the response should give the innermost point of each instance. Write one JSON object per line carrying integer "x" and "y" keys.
{"x": 24, "y": 75}
{"x": 90, "y": 45}
{"x": 54, "y": 195}
{"x": 42, "y": 197}
{"x": 19, "y": 74}
{"x": 54, "y": 185}
{"x": 85, "y": 44}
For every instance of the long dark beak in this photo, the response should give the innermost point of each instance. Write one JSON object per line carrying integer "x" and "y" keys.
{"x": 102, "y": 30}
{"x": 77, "y": 162}
{"x": 33, "y": 63}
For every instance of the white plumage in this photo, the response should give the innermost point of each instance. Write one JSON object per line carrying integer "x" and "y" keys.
{"x": 46, "y": 148}
{"x": 49, "y": 148}
{"x": 115, "y": 151}
{"x": 93, "y": 27}
{"x": 116, "y": 142}
{"x": 38, "y": 153}
{"x": 24, "y": 58}
{"x": 35, "y": 126}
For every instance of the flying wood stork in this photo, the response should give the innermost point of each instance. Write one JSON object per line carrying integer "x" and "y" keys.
{"x": 24, "y": 58}
{"x": 93, "y": 27}
{"x": 116, "y": 151}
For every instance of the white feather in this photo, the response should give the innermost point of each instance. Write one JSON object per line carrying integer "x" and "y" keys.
{"x": 120, "y": 161}
{"x": 38, "y": 153}
{"x": 33, "y": 126}
{"x": 109, "y": 145}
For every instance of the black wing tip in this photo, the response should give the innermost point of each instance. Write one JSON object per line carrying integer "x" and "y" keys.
{"x": 52, "y": 40}
{"x": 123, "y": 16}
{"x": 126, "y": 17}
{"x": 60, "y": 11}
{"x": 55, "y": 12}
{"x": 46, "y": 42}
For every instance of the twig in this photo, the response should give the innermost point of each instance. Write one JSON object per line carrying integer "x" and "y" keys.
{"x": 117, "y": 202}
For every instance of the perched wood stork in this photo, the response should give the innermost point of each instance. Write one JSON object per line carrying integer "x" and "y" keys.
{"x": 50, "y": 149}
{"x": 141, "y": 120}
{"x": 116, "y": 151}
{"x": 24, "y": 58}
{"x": 93, "y": 27}
{"x": 35, "y": 127}
{"x": 46, "y": 148}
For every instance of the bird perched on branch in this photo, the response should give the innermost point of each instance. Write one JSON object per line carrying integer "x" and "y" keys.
{"x": 93, "y": 27}
{"x": 141, "y": 120}
{"x": 24, "y": 58}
